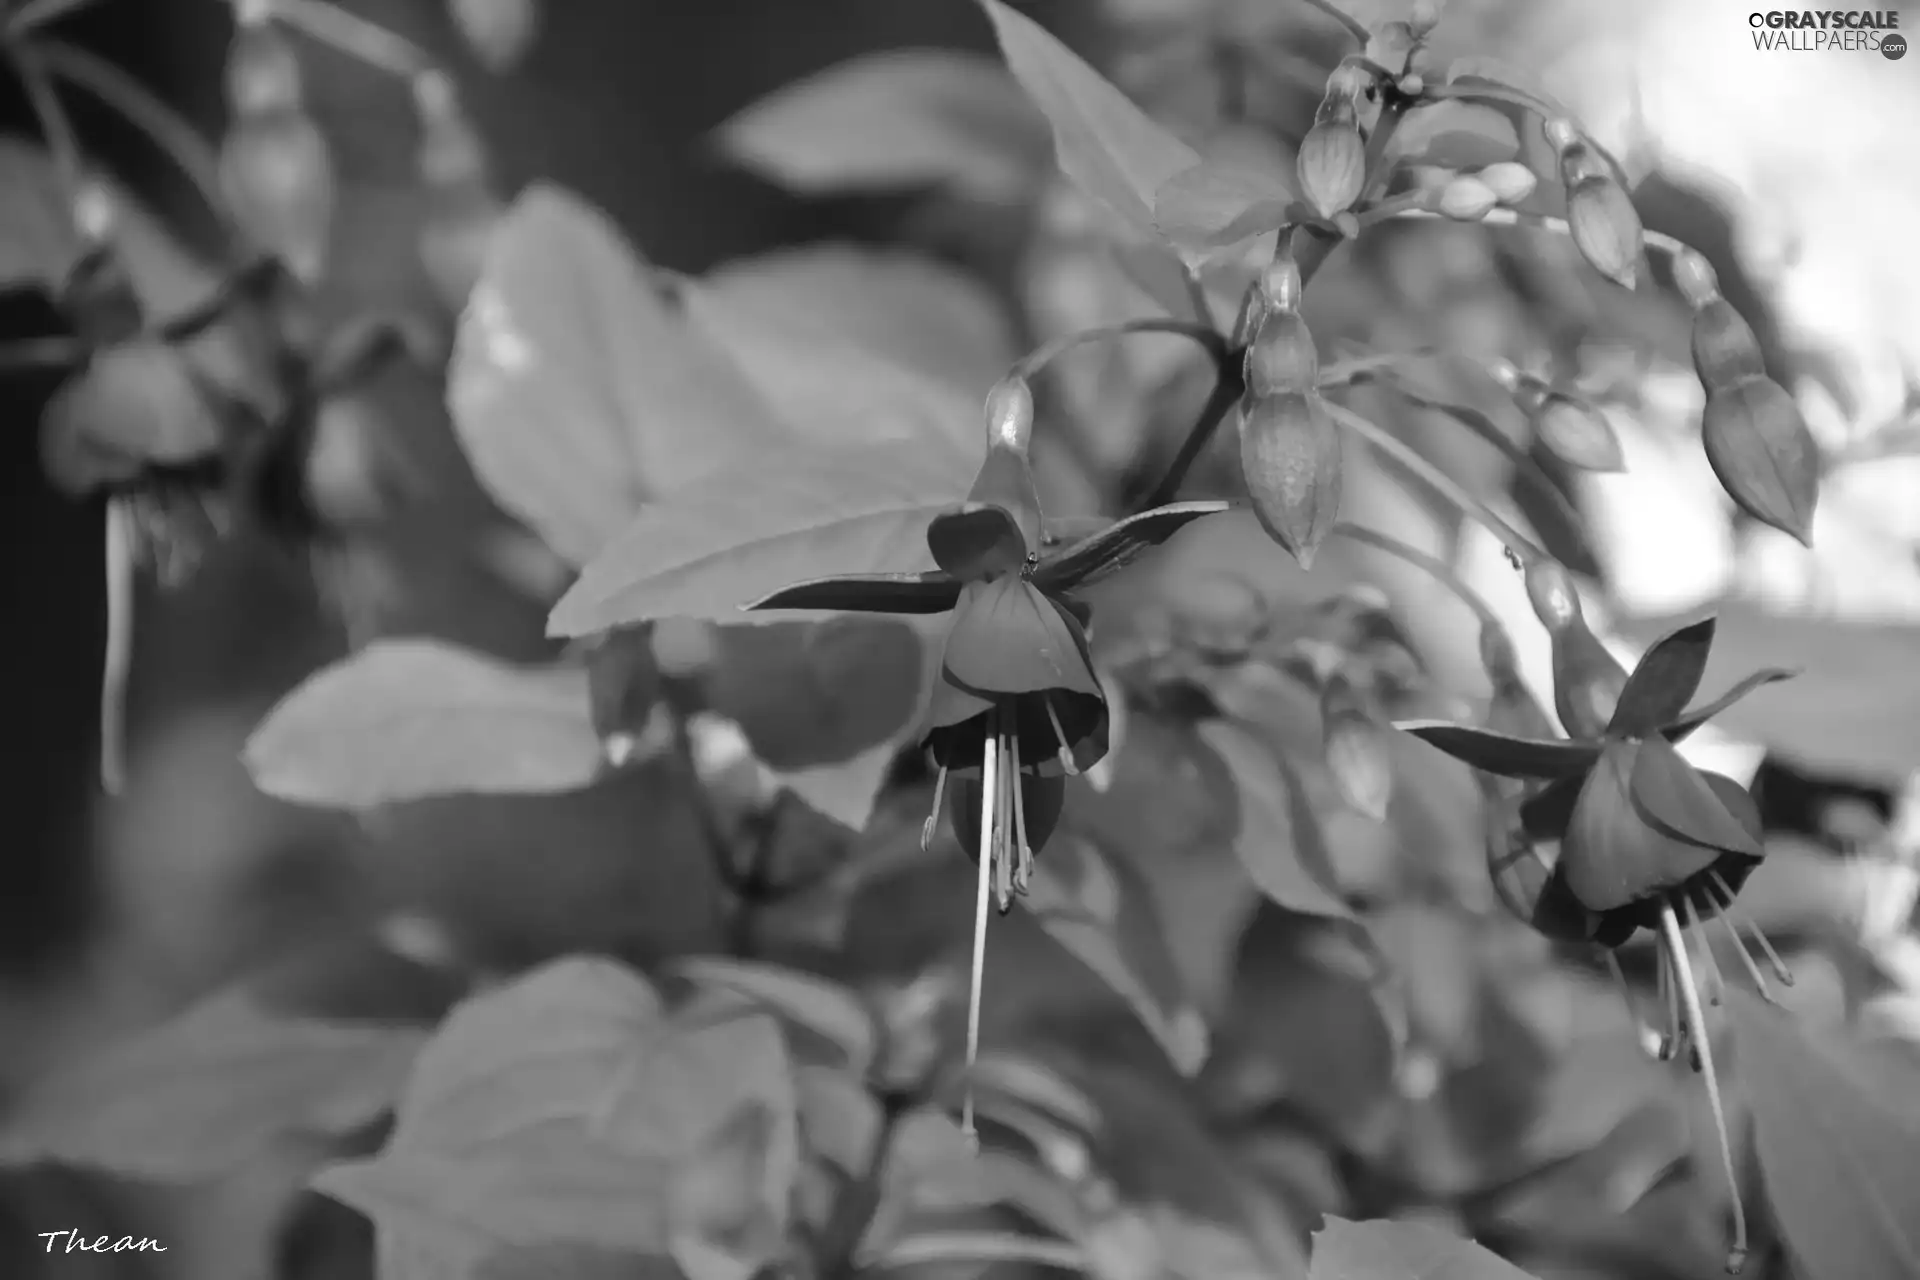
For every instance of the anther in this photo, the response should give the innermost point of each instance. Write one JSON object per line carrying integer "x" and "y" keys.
{"x": 932, "y": 824}
{"x": 1060, "y": 736}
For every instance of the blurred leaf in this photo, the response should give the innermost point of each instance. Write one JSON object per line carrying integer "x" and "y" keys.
{"x": 1101, "y": 915}
{"x": 917, "y": 312}
{"x": 1848, "y": 711}
{"x": 563, "y": 1262}
{"x": 1838, "y": 1141}
{"x": 1279, "y": 837}
{"x": 1220, "y": 202}
{"x": 845, "y": 791}
{"x": 498, "y": 31}
{"x": 723, "y": 1228}
{"x": 1033, "y": 1084}
{"x": 1195, "y": 1249}
{"x": 900, "y": 118}
{"x": 407, "y": 719}
{"x": 819, "y": 693}
{"x": 826, "y": 1009}
{"x": 37, "y": 239}
{"x": 578, "y": 387}
{"x": 839, "y": 1117}
{"x": 1502, "y": 75}
{"x": 209, "y": 1090}
{"x": 790, "y": 515}
{"x": 1383, "y": 1250}
{"x": 1456, "y": 135}
{"x": 1110, "y": 147}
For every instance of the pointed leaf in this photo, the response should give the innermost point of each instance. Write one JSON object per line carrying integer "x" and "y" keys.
{"x": 1678, "y": 799}
{"x": 1691, "y": 720}
{"x": 892, "y": 120}
{"x": 408, "y": 719}
{"x": 202, "y": 1094}
{"x": 1106, "y": 144}
{"x": 1496, "y": 753}
{"x": 579, "y": 389}
{"x": 793, "y": 514}
{"x": 1118, "y": 545}
{"x": 1612, "y": 857}
{"x": 824, "y": 1009}
{"x": 1383, "y": 1250}
{"x": 1665, "y": 680}
{"x": 1838, "y": 1142}
{"x": 846, "y": 790}
{"x": 1219, "y": 202}
{"x": 1278, "y": 837}
{"x": 904, "y": 593}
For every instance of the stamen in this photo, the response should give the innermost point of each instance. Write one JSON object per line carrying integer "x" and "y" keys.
{"x": 932, "y": 823}
{"x": 1023, "y": 867}
{"x": 1669, "y": 1001}
{"x": 1780, "y": 970}
{"x": 1003, "y": 820}
{"x": 1060, "y": 736}
{"x": 988, "y": 785}
{"x": 121, "y": 537}
{"x": 1717, "y": 983}
{"x": 1740, "y": 949}
{"x": 1670, "y": 928}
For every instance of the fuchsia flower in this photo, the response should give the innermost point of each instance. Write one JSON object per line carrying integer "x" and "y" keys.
{"x": 1645, "y": 839}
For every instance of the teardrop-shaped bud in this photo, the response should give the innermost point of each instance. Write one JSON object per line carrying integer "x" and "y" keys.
{"x": 1279, "y": 282}
{"x": 1509, "y": 180}
{"x": 1290, "y": 457}
{"x": 263, "y": 69}
{"x": 1695, "y": 278}
{"x": 1425, "y": 16}
{"x": 1356, "y": 750}
{"x": 1466, "y": 199}
{"x": 1570, "y": 428}
{"x": 1332, "y": 163}
{"x": 1009, "y": 413}
{"x": 1758, "y": 445}
{"x": 277, "y": 175}
{"x": 1550, "y": 590}
{"x": 1562, "y": 134}
{"x": 135, "y": 405}
{"x": 1606, "y": 228}
{"x": 499, "y": 31}
{"x": 1587, "y": 680}
{"x": 1725, "y": 350}
{"x": 1282, "y": 359}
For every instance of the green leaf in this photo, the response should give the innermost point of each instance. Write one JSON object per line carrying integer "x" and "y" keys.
{"x": 1221, "y": 202}
{"x": 1279, "y": 838}
{"x": 912, "y": 310}
{"x": 845, "y": 791}
{"x": 792, "y": 514}
{"x": 1106, "y": 144}
{"x": 1456, "y": 135}
{"x": 1097, "y": 910}
{"x": 37, "y": 240}
{"x": 809, "y": 694}
{"x": 825, "y": 1009}
{"x": 892, "y": 120}
{"x": 1384, "y": 1250}
{"x": 578, "y": 388}
{"x": 201, "y": 1094}
{"x": 1846, "y": 711}
{"x": 839, "y": 1117}
{"x": 1482, "y": 69}
{"x": 560, "y": 1262}
{"x": 1838, "y": 1142}
{"x": 408, "y": 719}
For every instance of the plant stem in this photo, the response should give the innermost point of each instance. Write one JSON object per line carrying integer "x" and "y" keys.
{"x": 62, "y": 143}
{"x": 1354, "y": 26}
{"x": 1438, "y": 480}
{"x": 1514, "y": 218}
{"x": 353, "y": 35}
{"x": 40, "y": 353}
{"x": 981, "y": 1246}
{"x": 34, "y": 14}
{"x": 1512, "y": 96}
{"x": 1040, "y": 357}
{"x": 171, "y": 134}
{"x": 1347, "y": 372}
{"x": 1434, "y": 567}
{"x": 1227, "y": 390}
{"x": 1391, "y": 207}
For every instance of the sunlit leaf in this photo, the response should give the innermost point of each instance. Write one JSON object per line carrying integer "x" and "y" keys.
{"x": 1106, "y": 144}
{"x": 1221, "y": 202}
{"x": 578, "y": 387}
{"x": 897, "y": 119}
{"x": 826, "y": 1009}
{"x": 1838, "y": 1141}
{"x": 1279, "y": 839}
{"x": 1382, "y": 1250}
{"x": 407, "y": 719}
{"x": 790, "y": 515}
{"x": 201, "y": 1094}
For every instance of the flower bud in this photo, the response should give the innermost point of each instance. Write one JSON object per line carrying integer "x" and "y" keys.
{"x": 1424, "y": 16}
{"x": 1562, "y": 134}
{"x": 1332, "y": 164}
{"x": 1010, "y": 413}
{"x": 1466, "y": 199}
{"x": 1606, "y": 228}
{"x": 1587, "y": 680}
{"x": 498, "y": 31}
{"x": 1356, "y": 750}
{"x": 1758, "y": 445}
{"x": 1280, "y": 283}
{"x": 1510, "y": 181}
{"x": 1550, "y": 590}
{"x": 1290, "y": 458}
{"x": 1725, "y": 350}
{"x": 1252, "y": 307}
{"x": 277, "y": 176}
{"x": 263, "y": 71}
{"x": 1694, "y": 276}
{"x": 1570, "y": 428}
{"x": 1282, "y": 359}
{"x": 134, "y": 405}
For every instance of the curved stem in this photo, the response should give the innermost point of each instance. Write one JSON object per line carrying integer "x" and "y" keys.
{"x": 35, "y": 14}
{"x": 1438, "y": 480}
{"x": 62, "y": 143}
{"x": 1354, "y": 26}
{"x": 40, "y": 353}
{"x": 1345, "y": 373}
{"x": 1227, "y": 390}
{"x": 1392, "y": 206}
{"x": 1431, "y": 565}
{"x": 1514, "y": 218}
{"x": 353, "y": 35}
{"x": 161, "y": 123}
{"x": 1513, "y": 96}
{"x": 1040, "y": 357}
{"x": 981, "y": 1246}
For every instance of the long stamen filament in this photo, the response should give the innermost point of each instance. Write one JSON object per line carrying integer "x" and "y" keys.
{"x": 1676, "y": 944}
{"x": 1717, "y": 981}
{"x": 1780, "y": 970}
{"x": 1023, "y": 868}
{"x": 118, "y": 660}
{"x": 1746, "y": 959}
{"x": 1060, "y": 735}
{"x": 932, "y": 824}
{"x": 1003, "y": 821}
{"x": 1670, "y": 1001}
{"x": 989, "y": 785}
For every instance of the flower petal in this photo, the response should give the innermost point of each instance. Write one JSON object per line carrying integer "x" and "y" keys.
{"x": 1093, "y": 558}
{"x": 1007, "y": 637}
{"x": 1665, "y": 680}
{"x": 1672, "y": 795}
{"x": 1546, "y": 814}
{"x": 868, "y": 593}
{"x": 1611, "y": 856}
{"x": 992, "y": 532}
{"x": 1041, "y": 798}
{"x": 1686, "y": 724}
{"x": 1496, "y": 753}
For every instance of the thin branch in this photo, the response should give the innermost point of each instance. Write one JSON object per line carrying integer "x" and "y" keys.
{"x": 982, "y": 1246}
{"x": 1434, "y": 567}
{"x": 34, "y": 14}
{"x": 63, "y": 144}
{"x": 1227, "y": 390}
{"x": 353, "y": 35}
{"x": 1514, "y": 218}
{"x": 1040, "y": 357}
{"x": 1345, "y": 373}
{"x": 1354, "y": 26}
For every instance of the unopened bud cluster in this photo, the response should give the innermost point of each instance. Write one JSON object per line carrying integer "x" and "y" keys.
{"x": 1566, "y": 423}
{"x": 1289, "y": 447}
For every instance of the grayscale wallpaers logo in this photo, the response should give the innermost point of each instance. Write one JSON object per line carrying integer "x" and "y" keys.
{"x": 1829, "y": 30}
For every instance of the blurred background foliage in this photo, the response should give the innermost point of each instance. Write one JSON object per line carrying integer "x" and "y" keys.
{"x": 1464, "y": 1083}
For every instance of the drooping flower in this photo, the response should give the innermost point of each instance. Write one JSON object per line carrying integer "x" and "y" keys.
{"x": 1645, "y": 839}
{"x": 1018, "y": 706}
